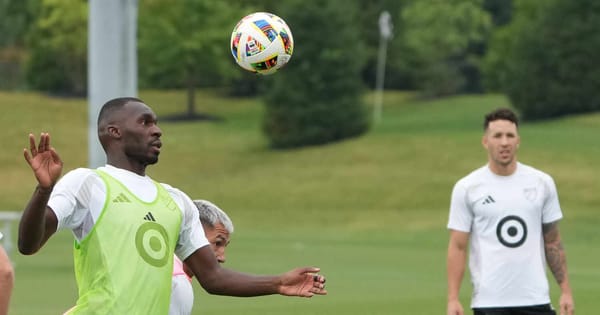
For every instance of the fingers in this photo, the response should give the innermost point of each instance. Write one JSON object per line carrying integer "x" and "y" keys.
{"x": 319, "y": 278}
{"x": 27, "y": 156}
{"x": 308, "y": 270}
{"x": 43, "y": 146}
{"x": 32, "y": 146}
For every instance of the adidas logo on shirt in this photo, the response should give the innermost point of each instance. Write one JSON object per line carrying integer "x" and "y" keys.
{"x": 488, "y": 200}
{"x": 149, "y": 217}
{"x": 121, "y": 198}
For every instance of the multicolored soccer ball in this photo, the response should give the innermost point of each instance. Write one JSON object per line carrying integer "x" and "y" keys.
{"x": 262, "y": 43}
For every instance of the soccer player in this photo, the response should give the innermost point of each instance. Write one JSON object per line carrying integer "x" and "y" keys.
{"x": 508, "y": 213}
{"x": 218, "y": 228}
{"x": 7, "y": 278}
{"x": 127, "y": 226}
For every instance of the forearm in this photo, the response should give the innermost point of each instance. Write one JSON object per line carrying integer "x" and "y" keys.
{"x": 557, "y": 262}
{"x": 32, "y": 227}
{"x": 233, "y": 283}
{"x": 555, "y": 256}
{"x": 455, "y": 270}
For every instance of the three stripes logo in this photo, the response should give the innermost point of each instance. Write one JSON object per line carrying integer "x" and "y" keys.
{"x": 149, "y": 217}
{"x": 488, "y": 200}
{"x": 121, "y": 198}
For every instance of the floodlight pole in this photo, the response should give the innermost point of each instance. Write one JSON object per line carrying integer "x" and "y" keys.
{"x": 112, "y": 62}
{"x": 385, "y": 31}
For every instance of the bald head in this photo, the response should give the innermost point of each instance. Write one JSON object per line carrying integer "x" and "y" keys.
{"x": 108, "y": 116}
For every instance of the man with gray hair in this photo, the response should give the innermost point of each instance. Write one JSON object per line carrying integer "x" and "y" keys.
{"x": 218, "y": 228}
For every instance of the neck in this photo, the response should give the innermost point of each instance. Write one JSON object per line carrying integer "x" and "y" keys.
{"x": 128, "y": 165}
{"x": 503, "y": 169}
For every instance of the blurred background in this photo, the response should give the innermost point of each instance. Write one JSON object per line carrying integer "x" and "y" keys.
{"x": 344, "y": 159}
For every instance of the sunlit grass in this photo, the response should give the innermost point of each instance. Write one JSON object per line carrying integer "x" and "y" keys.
{"x": 371, "y": 211}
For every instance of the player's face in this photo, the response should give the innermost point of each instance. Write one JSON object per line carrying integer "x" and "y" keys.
{"x": 501, "y": 140}
{"x": 141, "y": 134}
{"x": 218, "y": 237}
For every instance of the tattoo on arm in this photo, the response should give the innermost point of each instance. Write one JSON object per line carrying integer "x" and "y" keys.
{"x": 555, "y": 253}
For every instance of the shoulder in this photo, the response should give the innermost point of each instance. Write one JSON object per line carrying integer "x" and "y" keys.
{"x": 473, "y": 178}
{"x": 78, "y": 176}
{"x": 174, "y": 192}
{"x": 531, "y": 171}
{"x": 184, "y": 202}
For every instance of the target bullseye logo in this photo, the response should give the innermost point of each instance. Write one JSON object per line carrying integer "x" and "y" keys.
{"x": 512, "y": 231}
{"x": 151, "y": 242}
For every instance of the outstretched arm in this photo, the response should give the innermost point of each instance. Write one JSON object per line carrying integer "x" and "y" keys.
{"x": 557, "y": 262}
{"x": 457, "y": 257}
{"x": 39, "y": 222}
{"x": 303, "y": 282}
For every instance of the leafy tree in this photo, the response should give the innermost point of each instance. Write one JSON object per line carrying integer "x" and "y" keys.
{"x": 186, "y": 44}
{"x": 58, "y": 47}
{"x": 15, "y": 18}
{"x": 549, "y": 69}
{"x": 444, "y": 40}
{"x": 316, "y": 99}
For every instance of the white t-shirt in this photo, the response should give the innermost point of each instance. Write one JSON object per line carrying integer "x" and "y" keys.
{"x": 78, "y": 199}
{"x": 182, "y": 293}
{"x": 504, "y": 216}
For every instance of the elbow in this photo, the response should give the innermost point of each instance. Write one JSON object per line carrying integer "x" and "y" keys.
{"x": 211, "y": 288}
{"x": 26, "y": 249}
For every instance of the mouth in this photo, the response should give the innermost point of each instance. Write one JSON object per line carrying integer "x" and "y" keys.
{"x": 156, "y": 145}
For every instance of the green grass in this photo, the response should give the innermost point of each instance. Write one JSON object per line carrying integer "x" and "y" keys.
{"x": 370, "y": 211}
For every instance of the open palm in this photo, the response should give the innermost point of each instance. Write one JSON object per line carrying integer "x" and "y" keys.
{"x": 44, "y": 161}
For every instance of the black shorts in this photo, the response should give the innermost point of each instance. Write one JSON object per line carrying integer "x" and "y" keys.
{"x": 545, "y": 309}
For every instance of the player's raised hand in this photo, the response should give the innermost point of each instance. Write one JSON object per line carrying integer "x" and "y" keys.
{"x": 304, "y": 282}
{"x": 43, "y": 160}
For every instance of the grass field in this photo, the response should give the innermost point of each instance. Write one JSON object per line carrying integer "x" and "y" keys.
{"x": 370, "y": 211}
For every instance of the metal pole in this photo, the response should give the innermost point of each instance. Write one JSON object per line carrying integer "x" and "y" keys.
{"x": 112, "y": 62}
{"x": 385, "y": 30}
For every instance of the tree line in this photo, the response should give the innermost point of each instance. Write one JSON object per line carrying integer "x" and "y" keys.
{"x": 539, "y": 53}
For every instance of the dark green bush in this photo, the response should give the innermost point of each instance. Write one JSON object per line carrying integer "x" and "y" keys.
{"x": 317, "y": 97}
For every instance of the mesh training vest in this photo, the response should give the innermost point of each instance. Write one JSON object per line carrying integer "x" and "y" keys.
{"x": 124, "y": 265}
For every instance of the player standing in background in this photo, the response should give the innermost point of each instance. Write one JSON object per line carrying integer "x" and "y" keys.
{"x": 217, "y": 228}
{"x": 508, "y": 213}
{"x": 127, "y": 226}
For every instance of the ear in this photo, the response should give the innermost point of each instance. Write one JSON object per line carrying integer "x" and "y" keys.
{"x": 114, "y": 131}
{"x": 484, "y": 142}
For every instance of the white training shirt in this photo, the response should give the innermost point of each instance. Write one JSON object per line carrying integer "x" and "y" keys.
{"x": 78, "y": 199}
{"x": 504, "y": 216}
{"x": 182, "y": 293}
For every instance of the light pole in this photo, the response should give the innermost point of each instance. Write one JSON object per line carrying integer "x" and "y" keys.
{"x": 385, "y": 31}
{"x": 112, "y": 62}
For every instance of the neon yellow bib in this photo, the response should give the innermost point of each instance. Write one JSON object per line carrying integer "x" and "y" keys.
{"x": 124, "y": 265}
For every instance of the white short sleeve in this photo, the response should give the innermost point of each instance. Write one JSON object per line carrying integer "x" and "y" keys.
{"x": 461, "y": 217}
{"x": 75, "y": 198}
{"x": 191, "y": 234}
{"x": 551, "y": 211}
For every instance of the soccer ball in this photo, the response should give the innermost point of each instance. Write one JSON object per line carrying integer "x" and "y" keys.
{"x": 262, "y": 43}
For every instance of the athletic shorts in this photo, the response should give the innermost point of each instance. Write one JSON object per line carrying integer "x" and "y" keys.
{"x": 545, "y": 309}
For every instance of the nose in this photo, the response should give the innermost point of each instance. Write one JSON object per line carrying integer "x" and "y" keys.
{"x": 156, "y": 131}
{"x": 221, "y": 257}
